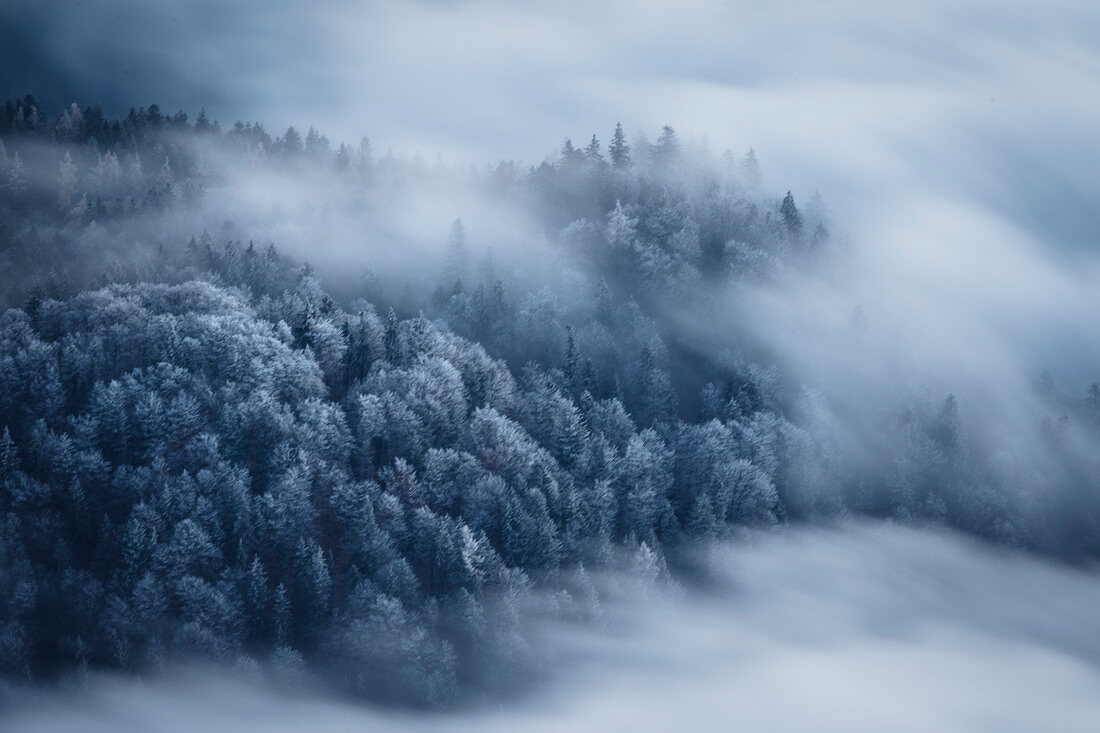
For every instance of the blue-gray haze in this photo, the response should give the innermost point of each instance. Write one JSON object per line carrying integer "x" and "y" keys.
{"x": 417, "y": 403}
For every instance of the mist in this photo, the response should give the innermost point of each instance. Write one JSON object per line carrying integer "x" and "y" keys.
{"x": 848, "y": 627}
{"x": 945, "y": 137}
{"x": 775, "y": 405}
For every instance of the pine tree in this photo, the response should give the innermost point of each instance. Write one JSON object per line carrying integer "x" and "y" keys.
{"x": 571, "y": 158}
{"x": 291, "y": 143}
{"x": 605, "y": 304}
{"x": 750, "y": 171}
{"x": 202, "y": 122}
{"x": 657, "y": 399}
{"x": 153, "y": 116}
{"x": 9, "y": 457}
{"x": 592, "y": 152}
{"x": 457, "y": 256}
{"x": 572, "y": 370}
{"x": 314, "y": 590}
{"x": 391, "y": 341}
{"x": 619, "y": 150}
{"x": 702, "y": 521}
{"x": 621, "y": 231}
{"x": 256, "y": 605}
{"x": 791, "y": 218}
{"x": 342, "y": 161}
{"x": 667, "y": 149}
{"x": 364, "y": 160}
{"x": 280, "y": 610}
{"x": 139, "y": 542}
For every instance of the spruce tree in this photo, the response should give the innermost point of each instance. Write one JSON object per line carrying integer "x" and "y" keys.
{"x": 592, "y": 152}
{"x": 619, "y": 150}
{"x": 791, "y": 218}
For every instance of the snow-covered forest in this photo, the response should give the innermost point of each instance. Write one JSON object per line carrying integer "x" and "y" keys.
{"x": 376, "y": 470}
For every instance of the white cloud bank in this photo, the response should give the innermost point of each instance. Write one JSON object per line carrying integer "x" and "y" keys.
{"x": 866, "y": 627}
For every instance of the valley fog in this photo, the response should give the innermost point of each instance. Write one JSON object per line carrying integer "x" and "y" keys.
{"x": 859, "y": 626}
{"x": 462, "y": 365}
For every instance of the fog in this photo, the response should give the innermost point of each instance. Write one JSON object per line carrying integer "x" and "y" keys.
{"x": 953, "y": 142}
{"x": 954, "y": 146}
{"x": 854, "y": 627}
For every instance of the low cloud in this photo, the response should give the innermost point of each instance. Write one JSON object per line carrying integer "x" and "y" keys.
{"x": 864, "y": 626}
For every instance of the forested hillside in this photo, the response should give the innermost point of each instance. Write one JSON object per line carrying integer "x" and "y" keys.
{"x": 211, "y": 449}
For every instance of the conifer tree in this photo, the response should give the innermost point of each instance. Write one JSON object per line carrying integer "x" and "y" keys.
{"x": 750, "y": 171}
{"x": 792, "y": 219}
{"x": 619, "y": 150}
{"x": 592, "y": 152}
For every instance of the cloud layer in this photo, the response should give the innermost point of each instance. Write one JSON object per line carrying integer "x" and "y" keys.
{"x": 861, "y": 627}
{"x": 954, "y": 141}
